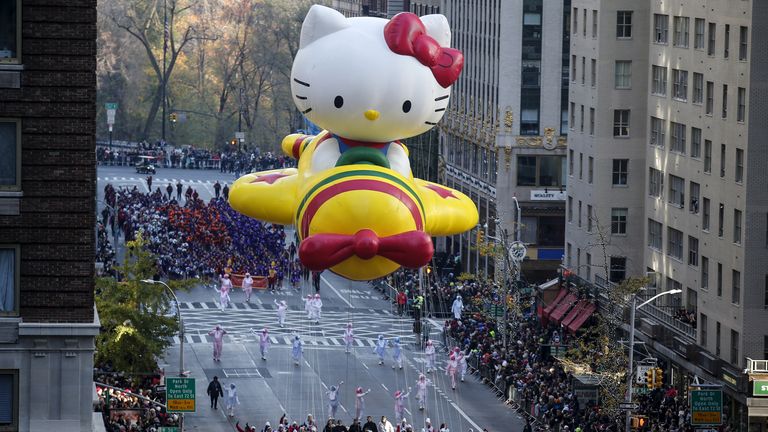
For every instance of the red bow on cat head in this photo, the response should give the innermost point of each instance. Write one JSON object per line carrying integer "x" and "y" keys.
{"x": 406, "y": 35}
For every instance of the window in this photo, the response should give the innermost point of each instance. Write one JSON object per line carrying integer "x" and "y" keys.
{"x": 681, "y": 25}
{"x": 674, "y": 243}
{"x": 661, "y": 27}
{"x": 589, "y": 218}
{"x": 618, "y": 269}
{"x": 721, "y": 220}
{"x": 573, "y": 69}
{"x": 618, "y": 221}
{"x": 589, "y": 266}
{"x": 9, "y": 280}
{"x": 710, "y": 106}
{"x": 717, "y": 339}
{"x": 594, "y": 24}
{"x": 584, "y": 24}
{"x": 570, "y": 209}
{"x": 678, "y": 138}
{"x": 739, "y": 165}
{"x": 655, "y": 182}
{"x": 735, "y": 347}
{"x": 742, "y": 107}
{"x": 624, "y": 24}
{"x": 680, "y": 84}
{"x": 654, "y": 234}
{"x": 658, "y": 130}
{"x": 695, "y": 142}
{"x": 727, "y": 41}
{"x": 722, "y": 160}
{"x": 705, "y": 215}
{"x": 9, "y": 400}
{"x": 725, "y": 101}
{"x": 736, "y": 285}
{"x": 737, "y": 226}
{"x": 698, "y": 36}
{"x": 10, "y": 153}
{"x": 712, "y": 33}
{"x": 693, "y": 205}
{"x": 698, "y": 88}
{"x": 544, "y": 171}
{"x": 570, "y": 162}
{"x": 703, "y": 330}
{"x": 581, "y": 117}
{"x": 593, "y": 73}
{"x": 693, "y": 251}
{"x": 704, "y": 273}
{"x": 10, "y": 31}
{"x": 526, "y": 171}
{"x": 620, "y": 123}
{"x": 707, "y": 156}
{"x": 575, "y": 20}
{"x": 583, "y": 70}
{"x": 659, "y": 81}
{"x": 581, "y": 165}
{"x": 765, "y": 300}
{"x": 572, "y": 122}
{"x": 579, "y": 215}
{"x": 620, "y": 172}
{"x": 743, "y": 36}
{"x": 591, "y": 121}
{"x": 623, "y": 74}
{"x": 677, "y": 191}
{"x": 591, "y": 170}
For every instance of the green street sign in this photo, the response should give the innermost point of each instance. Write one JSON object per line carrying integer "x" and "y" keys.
{"x": 180, "y": 394}
{"x": 110, "y": 105}
{"x": 706, "y": 407}
{"x": 168, "y": 429}
{"x": 759, "y": 388}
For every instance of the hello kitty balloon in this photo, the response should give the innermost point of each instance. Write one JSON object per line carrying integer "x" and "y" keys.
{"x": 369, "y": 82}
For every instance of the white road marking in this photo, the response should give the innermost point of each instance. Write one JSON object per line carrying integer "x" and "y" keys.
{"x": 307, "y": 363}
{"x": 336, "y": 291}
{"x": 385, "y": 387}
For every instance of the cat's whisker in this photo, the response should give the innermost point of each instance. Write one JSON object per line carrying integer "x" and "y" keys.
{"x": 301, "y": 97}
{"x": 440, "y": 109}
{"x": 306, "y": 110}
{"x": 301, "y": 82}
{"x": 441, "y": 98}
{"x": 430, "y": 123}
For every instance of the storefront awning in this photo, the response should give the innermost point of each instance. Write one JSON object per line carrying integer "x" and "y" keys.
{"x": 583, "y": 316}
{"x": 549, "y": 284}
{"x": 573, "y": 313}
{"x": 551, "y": 307}
{"x": 562, "y": 308}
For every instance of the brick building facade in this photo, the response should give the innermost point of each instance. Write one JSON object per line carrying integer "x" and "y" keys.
{"x": 47, "y": 187}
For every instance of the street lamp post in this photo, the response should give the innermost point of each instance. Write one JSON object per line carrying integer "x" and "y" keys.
{"x": 181, "y": 322}
{"x": 635, "y": 306}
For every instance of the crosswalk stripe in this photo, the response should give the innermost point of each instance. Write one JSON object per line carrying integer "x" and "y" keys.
{"x": 203, "y": 306}
{"x": 322, "y": 342}
{"x": 287, "y": 340}
{"x": 273, "y": 340}
{"x": 359, "y": 343}
{"x": 334, "y": 341}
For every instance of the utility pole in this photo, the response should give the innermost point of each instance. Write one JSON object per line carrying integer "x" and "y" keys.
{"x": 166, "y": 31}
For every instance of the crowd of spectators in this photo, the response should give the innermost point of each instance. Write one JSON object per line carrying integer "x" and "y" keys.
{"x": 122, "y": 410}
{"x": 105, "y": 253}
{"x": 686, "y": 316}
{"x": 199, "y": 239}
{"x": 368, "y": 424}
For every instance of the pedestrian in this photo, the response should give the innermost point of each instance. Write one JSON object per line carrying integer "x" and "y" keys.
{"x": 333, "y": 399}
{"x": 428, "y": 426}
{"x": 451, "y": 369}
{"x": 188, "y": 193}
{"x": 385, "y": 425}
{"x": 281, "y": 308}
{"x": 316, "y": 281}
{"x": 225, "y": 191}
{"x": 421, "y": 391}
{"x": 397, "y": 353}
{"x": 370, "y": 425}
{"x": 296, "y": 350}
{"x": 381, "y": 349}
{"x": 226, "y": 286}
{"x": 149, "y": 183}
{"x": 402, "y": 299}
{"x": 400, "y": 396}
{"x": 179, "y": 188}
{"x": 349, "y": 339}
{"x": 264, "y": 343}
{"x": 461, "y": 360}
{"x": 360, "y": 402}
{"x": 317, "y": 308}
{"x": 527, "y": 427}
{"x": 355, "y": 426}
{"x": 308, "y": 306}
{"x": 217, "y": 189}
{"x": 429, "y": 353}
{"x": 214, "y": 391}
{"x": 248, "y": 287}
{"x": 218, "y": 341}
{"x": 169, "y": 189}
{"x": 232, "y": 400}
{"x": 457, "y": 307}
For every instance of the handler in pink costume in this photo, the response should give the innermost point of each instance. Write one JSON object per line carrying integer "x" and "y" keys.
{"x": 349, "y": 339}
{"x": 248, "y": 286}
{"x": 264, "y": 343}
{"x": 226, "y": 287}
{"x": 452, "y": 368}
{"x": 218, "y": 341}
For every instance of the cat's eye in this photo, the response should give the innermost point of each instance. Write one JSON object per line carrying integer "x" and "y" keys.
{"x": 338, "y": 102}
{"x": 406, "y": 106}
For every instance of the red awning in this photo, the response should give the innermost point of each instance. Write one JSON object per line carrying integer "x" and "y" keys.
{"x": 550, "y": 307}
{"x": 573, "y": 313}
{"x": 584, "y": 315}
{"x": 562, "y": 308}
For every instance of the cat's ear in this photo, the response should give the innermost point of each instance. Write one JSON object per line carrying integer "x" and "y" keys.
{"x": 320, "y": 21}
{"x": 437, "y": 27}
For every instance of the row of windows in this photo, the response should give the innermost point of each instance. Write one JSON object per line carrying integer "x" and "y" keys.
{"x": 10, "y": 31}
{"x": 584, "y": 14}
{"x": 676, "y": 192}
{"x": 619, "y": 169}
{"x": 473, "y": 158}
{"x": 681, "y": 144}
{"x": 618, "y": 222}
{"x": 617, "y": 265}
{"x": 734, "y": 353}
{"x": 701, "y": 41}
{"x": 703, "y": 93}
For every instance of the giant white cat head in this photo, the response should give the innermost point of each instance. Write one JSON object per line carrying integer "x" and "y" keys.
{"x": 370, "y": 79}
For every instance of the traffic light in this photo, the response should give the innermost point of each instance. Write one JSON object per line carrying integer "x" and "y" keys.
{"x": 650, "y": 381}
{"x": 233, "y": 141}
{"x": 658, "y": 378}
{"x": 174, "y": 117}
{"x": 638, "y": 421}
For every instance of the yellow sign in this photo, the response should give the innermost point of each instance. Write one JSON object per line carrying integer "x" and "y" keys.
{"x": 181, "y": 405}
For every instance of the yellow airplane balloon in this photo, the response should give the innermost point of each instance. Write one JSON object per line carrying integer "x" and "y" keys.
{"x": 360, "y": 218}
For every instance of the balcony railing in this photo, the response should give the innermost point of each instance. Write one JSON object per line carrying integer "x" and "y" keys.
{"x": 757, "y": 366}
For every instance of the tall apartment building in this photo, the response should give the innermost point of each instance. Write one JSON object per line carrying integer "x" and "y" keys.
{"x": 47, "y": 188}
{"x": 504, "y": 135}
{"x": 691, "y": 206}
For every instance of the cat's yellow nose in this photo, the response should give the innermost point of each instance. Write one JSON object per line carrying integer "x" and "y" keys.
{"x": 371, "y": 115}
